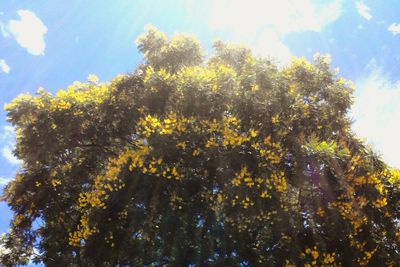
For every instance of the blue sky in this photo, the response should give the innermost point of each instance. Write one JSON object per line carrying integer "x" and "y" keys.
{"x": 50, "y": 44}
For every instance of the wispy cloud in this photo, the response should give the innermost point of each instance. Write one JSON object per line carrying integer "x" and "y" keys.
{"x": 394, "y": 28}
{"x": 377, "y": 113}
{"x": 3, "y": 30}
{"x": 363, "y": 10}
{"x": 29, "y": 31}
{"x": 7, "y": 142}
{"x": 3, "y": 66}
{"x": 264, "y": 23}
{"x": 4, "y": 181}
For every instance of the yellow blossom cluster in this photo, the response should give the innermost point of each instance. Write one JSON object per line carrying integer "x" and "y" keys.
{"x": 247, "y": 202}
{"x": 394, "y": 176}
{"x": 109, "y": 181}
{"x": 149, "y": 125}
{"x": 79, "y": 93}
{"x": 84, "y": 231}
{"x": 152, "y": 77}
{"x": 212, "y": 142}
{"x": 231, "y": 132}
{"x": 197, "y": 75}
{"x": 18, "y": 219}
{"x": 55, "y": 182}
{"x": 373, "y": 180}
{"x": 60, "y": 104}
{"x": 275, "y": 119}
{"x": 348, "y": 210}
{"x": 318, "y": 259}
{"x": 172, "y": 172}
{"x": 356, "y": 161}
{"x": 320, "y": 212}
{"x": 365, "y": 259}
{"x": 370, "y": 179}
{"x": 76, "y": 94}
{"x": 195, "y": 152}
{"x": 272, "y": 151}
{"x": 242, "y": 176}
{"x": 313, "y": 252}
{"x": 301, "y": 63}
{"x": 225, "y": 133}
{"x": 212, "y": 126}
{"x": 279, "y": 180}
{"x": 360, "y": 245}
{"x": 123, "y": 214}
{"x": 181, "y": 145}
{"x": 152, "y": 167}
{"x": 213, "y": 77}
{"x": 381, "y": 202}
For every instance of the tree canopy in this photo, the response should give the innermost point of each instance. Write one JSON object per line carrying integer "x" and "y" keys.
{"x": 225, "y": 160}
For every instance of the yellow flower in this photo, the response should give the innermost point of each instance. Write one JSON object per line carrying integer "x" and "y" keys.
{"x": 219, "y": 198}
{"x": 315, "y": 254}
{"x": 181, "y": 145}
{"x": 264, "y": 194}
{"x": 55, "y": 182}
{"x": 275, "y": 119}
{"x": 196, "y": 152}
{"x": 267, "y": 140}
{"x": 381, "y": 202}
{"x": 320, "y": 212}
{"x": 253, "y": 133}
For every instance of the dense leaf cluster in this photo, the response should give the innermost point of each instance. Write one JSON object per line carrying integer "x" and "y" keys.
{"x": 224, "y": 161}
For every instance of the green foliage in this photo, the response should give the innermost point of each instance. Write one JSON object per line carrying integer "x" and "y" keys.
{"x": 229, "y": 161}
{"x": 329, "y": 149}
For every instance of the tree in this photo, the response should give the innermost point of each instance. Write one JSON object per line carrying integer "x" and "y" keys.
{"x": 229, "y": 161}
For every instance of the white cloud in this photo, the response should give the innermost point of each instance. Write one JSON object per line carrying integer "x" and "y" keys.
{"x": 29, "y": 31}
{"x": 269, "y": 44}
{"x": 394, "y": 28}
{"x": 3, "y": 66}
{"x": 4, "y": 181}
{"x": 7, "y": 153}
{"x": 363, "y": 10}
{"x": 263, "y": 23}
{"x": 7, "y": 141}
{"x": 377, "y": 113}
{"x": 8, "y": 133}
{"x": 283, "y": 16}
